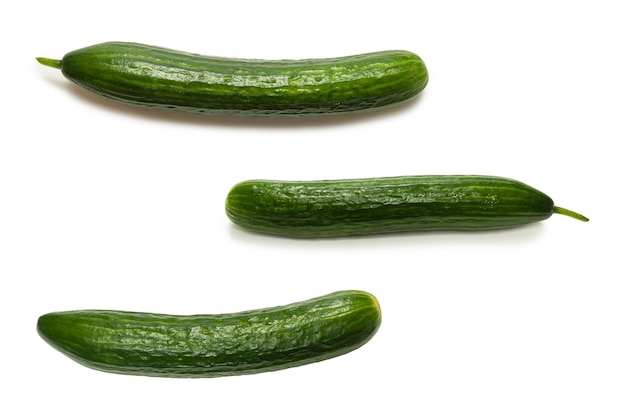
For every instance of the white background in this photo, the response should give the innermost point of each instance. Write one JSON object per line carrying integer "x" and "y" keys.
{"x": 105, "y": 206}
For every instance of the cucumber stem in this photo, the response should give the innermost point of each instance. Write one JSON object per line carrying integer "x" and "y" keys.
{"x": 50, "y": 62}
{"x": 572, "y": 214}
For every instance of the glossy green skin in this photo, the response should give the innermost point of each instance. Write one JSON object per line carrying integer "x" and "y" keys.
{"x": 330, "y": 208}
{"x": 215, "y": 345}
{"x": 150, "y": 76}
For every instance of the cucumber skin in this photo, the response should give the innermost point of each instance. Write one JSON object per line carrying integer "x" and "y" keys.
{"x": 332, "y": 208}
{"x": 150, "y": 76}
{"x": 218, "y": 345}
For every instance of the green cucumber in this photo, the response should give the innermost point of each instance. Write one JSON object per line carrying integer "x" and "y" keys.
{"x": 329, "y": 208}
{"x": 155, "y": 77}
{"x": 215, "y": 345}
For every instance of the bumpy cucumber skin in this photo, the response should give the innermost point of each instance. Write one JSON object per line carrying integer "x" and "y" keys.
{"x": 330, "y": 208}
{"x": 150, "y": 76}
{"x": 248, "y": 342}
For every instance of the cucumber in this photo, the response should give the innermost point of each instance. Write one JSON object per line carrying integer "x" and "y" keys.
{"x": 155, "y": 77}
{"x": 330, "y": 208}
{"x": 214, "y": 345}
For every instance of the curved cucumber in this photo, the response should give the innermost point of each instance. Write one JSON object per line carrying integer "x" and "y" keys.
{"x": 311, "y": 209}
{"x": 215, "y": 345}
{"x": 150, "y": 76}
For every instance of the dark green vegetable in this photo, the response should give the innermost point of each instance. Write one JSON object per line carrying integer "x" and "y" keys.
{"x": 215, "y": 345}
{"x": 329, "y": 208}
{"x": 150, "y": 76}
